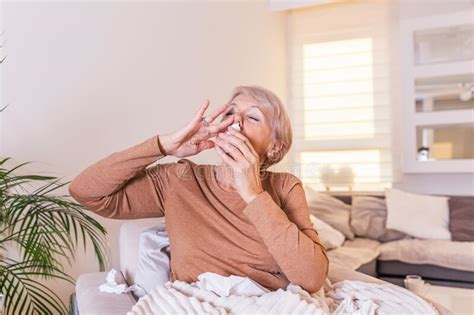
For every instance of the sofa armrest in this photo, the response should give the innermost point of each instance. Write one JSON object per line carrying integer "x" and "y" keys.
{"x": 90, "y": 301}
{"x": 339, "y": 273}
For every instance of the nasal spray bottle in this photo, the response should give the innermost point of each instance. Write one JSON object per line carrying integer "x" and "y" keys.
{"x": 236, "y": 126}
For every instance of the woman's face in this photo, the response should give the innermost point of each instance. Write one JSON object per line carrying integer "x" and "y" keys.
{"x": 254, "y": 124}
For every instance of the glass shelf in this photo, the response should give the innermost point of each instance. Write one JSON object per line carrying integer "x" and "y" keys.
{"x": 445, "y": 142}
{"x": 444, "y": 93}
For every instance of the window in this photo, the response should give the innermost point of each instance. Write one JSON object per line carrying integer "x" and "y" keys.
{"x": 340, "y": 103}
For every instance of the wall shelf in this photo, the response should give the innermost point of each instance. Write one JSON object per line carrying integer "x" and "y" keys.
{"x": 438, "y": 113}
{"x": 442, "y": 69}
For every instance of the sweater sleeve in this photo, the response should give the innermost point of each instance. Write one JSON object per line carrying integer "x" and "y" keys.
{"x": 120, "y": 187}
{"x": 290, "y": 237}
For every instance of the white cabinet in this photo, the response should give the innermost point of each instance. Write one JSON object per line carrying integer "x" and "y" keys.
{"x": 437, "y": 71}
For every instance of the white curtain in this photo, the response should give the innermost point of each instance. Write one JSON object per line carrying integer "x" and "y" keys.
{"x": 340, "y": 97}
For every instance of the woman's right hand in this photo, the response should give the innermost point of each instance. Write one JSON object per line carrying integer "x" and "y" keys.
{"x": 193, "y": 138}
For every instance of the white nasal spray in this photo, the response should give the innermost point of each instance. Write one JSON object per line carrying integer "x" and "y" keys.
{"x": 236, "y": 126}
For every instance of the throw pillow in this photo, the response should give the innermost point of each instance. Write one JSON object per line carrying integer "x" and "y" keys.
{"x": 153, "y": 267}
{"x": 331, "y": 210}
{"x": 329, "y": 236}
{"x": 417, "y": 215}
{"x": 461, "y": 218}
{"x": 368, "y": 218}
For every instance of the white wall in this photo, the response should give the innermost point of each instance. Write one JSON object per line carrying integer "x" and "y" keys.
{"x": 87, "y": 79}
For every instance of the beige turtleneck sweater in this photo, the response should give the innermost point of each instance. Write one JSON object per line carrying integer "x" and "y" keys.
{"x": 270, "y": 240}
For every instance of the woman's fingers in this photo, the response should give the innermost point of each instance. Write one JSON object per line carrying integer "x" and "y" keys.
{"x": 222, "y": 125}
{"x": 216, "y": 114}
{"x": 227, "y": 159}
{"x": 234, "y": 132}
{"x": 201, "y": 112}
{"x": 198, "y": 132}
{"x": 204, "y": 145}
{"x": 239, "y": 144}
{"x": 231, "y": 149}
{"x": 210, "y": 131}
{"x": 195, "y": 122}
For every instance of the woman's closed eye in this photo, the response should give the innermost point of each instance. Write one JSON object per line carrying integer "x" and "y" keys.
{"x": 250, "y": 117}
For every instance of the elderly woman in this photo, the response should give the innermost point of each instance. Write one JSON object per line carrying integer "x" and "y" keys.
{"x": 235, "y": 218}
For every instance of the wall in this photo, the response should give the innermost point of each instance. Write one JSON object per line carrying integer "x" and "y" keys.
{"x": 86, "y": 79}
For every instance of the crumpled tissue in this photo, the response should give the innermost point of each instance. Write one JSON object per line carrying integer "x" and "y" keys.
{"x": 111, "y": 286}
{"x": 231, "y": 285}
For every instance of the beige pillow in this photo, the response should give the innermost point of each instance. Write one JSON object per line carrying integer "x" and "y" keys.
{"x": 331, "y": 210}
{"x": 368, "y": 218}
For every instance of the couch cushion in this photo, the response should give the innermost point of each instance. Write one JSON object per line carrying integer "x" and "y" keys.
{"x": 354, "y": 253}
{"x": 361, "y": 242}
{"x": 448, "y": 254}
{"x": 331, "y": 210}
{"x": 461, "y": 218}
{"x": 90, "y": 301}
{"x": 368, "y": 218}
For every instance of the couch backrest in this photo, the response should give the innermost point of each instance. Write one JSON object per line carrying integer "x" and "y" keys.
{"x": 347, "y": 198}
{"x": 129, "y": 238}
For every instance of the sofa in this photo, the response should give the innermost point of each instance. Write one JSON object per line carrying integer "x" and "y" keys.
{"x": 88, "y": 300}
{"x": 439, "y": 262}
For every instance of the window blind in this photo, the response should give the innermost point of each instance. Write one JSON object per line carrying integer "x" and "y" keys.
{"x": 340, "y": 105}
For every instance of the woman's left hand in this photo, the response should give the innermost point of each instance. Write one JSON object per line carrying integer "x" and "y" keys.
{"x": 243, "y": 160}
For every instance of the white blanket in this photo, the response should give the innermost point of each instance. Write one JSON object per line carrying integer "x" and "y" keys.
{"x": 215, "y": 294}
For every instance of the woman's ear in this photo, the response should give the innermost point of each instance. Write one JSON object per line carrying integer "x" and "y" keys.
{"x": 274, "y": 151}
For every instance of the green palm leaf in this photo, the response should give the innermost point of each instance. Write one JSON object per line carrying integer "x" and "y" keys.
{"x": 23, "y": 294}
{"x": 45, "y": 226}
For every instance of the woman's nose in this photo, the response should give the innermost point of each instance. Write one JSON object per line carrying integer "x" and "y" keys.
{"x": 238, "y": 119}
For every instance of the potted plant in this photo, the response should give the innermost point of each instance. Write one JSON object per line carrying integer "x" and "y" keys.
{"x": 44, "y": 227}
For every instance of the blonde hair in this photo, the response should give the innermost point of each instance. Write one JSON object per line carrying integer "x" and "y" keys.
{"x": 279, "y": 119}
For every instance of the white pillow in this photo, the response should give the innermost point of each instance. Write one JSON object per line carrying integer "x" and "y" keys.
{"x": 420, "y": 216}
{"x": 329, "y": 236}
{"x": 153, "y": 267}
